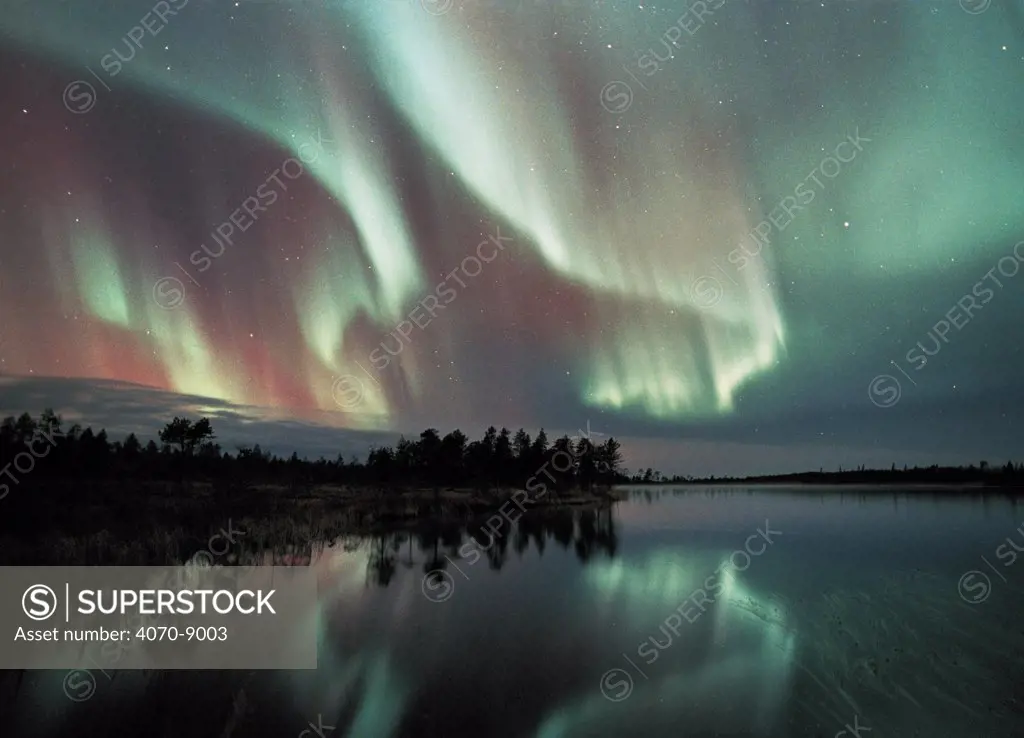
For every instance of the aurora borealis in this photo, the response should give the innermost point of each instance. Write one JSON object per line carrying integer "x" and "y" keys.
{"x": 242, "y": 201}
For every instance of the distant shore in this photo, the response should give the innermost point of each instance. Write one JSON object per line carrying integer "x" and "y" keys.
{"x": 938, "y": 478}
{"x": 838, "y": 487}
{"x": 834, "y": 484}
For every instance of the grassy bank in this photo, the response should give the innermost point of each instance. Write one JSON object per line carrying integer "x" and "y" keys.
{"x": 138, "y": 523}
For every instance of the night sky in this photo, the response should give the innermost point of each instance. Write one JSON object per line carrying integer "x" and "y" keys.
{"x": 739, "y": 236}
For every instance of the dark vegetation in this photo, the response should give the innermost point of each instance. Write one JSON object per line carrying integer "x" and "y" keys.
{"x": 66, "y": 483}
{"x": 1010, "y": 476}
{"x": 41, "y": 449}
{"x": 69, "y": 482}
{"x": 188, "y": 452}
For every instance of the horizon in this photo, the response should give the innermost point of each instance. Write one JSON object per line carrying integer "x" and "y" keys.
{"x": 630, "y": 475}
{"x": 246, "y": 432}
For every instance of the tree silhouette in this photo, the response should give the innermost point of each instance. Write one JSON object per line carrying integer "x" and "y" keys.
{"x": 186, "y": 434}
{"x": 586, "y": 464}
{"x": 428, "y": 455}
{"x": 521, "y": 444}
{"x": 25, "y": 428}
{"x": 538, "y": 452}
{"x": 501, "y": 462}
{"x": 496, "y": 464}
{"x": 609, "y": 461}
{"x": 50, "y": 423}
{"x": 564, "y": 463}
{"x": 452, "y": 458}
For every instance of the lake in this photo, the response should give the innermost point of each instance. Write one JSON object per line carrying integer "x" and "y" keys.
{"x": 679, "y": 612}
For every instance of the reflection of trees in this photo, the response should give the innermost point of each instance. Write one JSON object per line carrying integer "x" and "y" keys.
{"x": 408, "y": 562}
{"x": 587, "y": 535}
{"x": 433, "y": 538}
{"x": 562, "y": 527}
{"x": 497, "y": 551}
{"x": 596, "y": 533}
{"x": 382, "y": 563}
{"x": 429, "y": 540}
{"x": 607, "y": 536}
{"x": 590, "y": 532}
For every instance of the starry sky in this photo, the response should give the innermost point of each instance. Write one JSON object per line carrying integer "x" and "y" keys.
{"x": 743, "y": 237}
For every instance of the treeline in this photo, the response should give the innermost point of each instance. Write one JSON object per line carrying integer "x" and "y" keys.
{"x": 1008, "y": 475}
{"x": 187, "y": 449}
{"x": 498, "y": 460}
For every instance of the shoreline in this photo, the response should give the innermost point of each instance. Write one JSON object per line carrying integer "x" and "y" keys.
{"x": 168, "y": 524}
{"x": 65, "y": 507}
{"x": 838, "y": 485}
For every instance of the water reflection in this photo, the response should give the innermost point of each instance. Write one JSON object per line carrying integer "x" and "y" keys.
{"x": 852, "y": 611}
{"x": 575, "y": 621}
{"x": 442, "y": 545}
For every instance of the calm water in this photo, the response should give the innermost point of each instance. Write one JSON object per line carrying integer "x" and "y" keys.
{"x": 837, "y": 612}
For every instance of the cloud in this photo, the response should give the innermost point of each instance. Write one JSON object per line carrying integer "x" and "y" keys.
{"x": 122, "y": 408}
